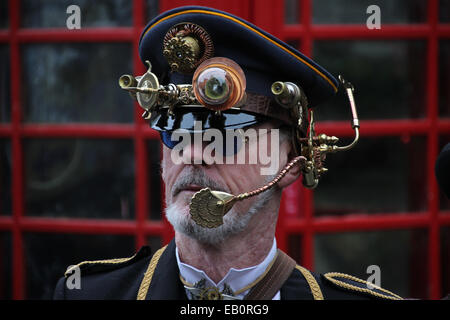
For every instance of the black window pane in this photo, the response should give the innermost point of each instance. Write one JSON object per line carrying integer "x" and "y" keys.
{"x": 387, "y": 76}
{"x": 76, "y": 82}
{"x": 294, "y": 43}
{"x": 378, "y": 175}
{"x": 5, "y": 177}
{"x": 4, "y": 18}
{"x": 445, "y": 260}
{"x": 294, "y": 243}
{"x": 154, "y": 242}
{"x": 48, "y": 255}
{"x": 444, "y": 201}
{"x": 444, "y": 10}
{"x": 401, "y": 256}
{"x": 355, "y": 11}
{"x": 152, "y": 7}
{"x": 291, "y": 12}
{"x": 444, "y": 78}
{"x": 79, "y": 178}
{"x": 5, "y": 88}
{"x": 53, "y": 13}
{"x": 5, "y": 266}
{"x": 154, "y": 172}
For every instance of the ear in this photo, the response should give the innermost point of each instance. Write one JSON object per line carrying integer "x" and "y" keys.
{"x": 293, "y": 174}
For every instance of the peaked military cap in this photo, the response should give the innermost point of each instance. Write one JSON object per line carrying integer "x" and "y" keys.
{"x": 264, "y": 59}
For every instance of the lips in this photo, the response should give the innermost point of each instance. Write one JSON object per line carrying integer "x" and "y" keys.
{"x": 191, "y": 187}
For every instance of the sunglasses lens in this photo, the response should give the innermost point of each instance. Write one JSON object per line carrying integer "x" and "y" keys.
{"x": 166, "y": 138}
{"x": 231, "y": 146}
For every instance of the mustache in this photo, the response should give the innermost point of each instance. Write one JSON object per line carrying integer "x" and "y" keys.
{"x": 195, "y": 176}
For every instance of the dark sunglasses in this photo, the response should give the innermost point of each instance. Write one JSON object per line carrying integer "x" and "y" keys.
{"x": 226, "y": 149}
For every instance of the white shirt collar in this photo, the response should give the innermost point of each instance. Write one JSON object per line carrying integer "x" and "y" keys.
{"x": 235, "y": 278}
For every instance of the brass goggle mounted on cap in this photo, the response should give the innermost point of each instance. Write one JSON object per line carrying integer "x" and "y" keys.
{"x": 219, "y": 84}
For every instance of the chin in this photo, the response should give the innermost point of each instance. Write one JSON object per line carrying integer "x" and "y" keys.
{"x": 180, "y": 218}
{"x": 182, "y": 202}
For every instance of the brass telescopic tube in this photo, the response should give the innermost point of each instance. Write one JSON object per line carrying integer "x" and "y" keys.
{"x": 127, "y": 81}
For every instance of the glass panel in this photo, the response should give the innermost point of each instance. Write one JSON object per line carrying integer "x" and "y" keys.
{"x": 444, "y": 78}
{"x": 444, "y": 201}
{"x": 295, "y": 247}
{"x": 49, "y": 255}
{"x": 291, "y": 12}
{"x": 444, "y": 10}
{"x": 79, "y": 178}
{"x": 445, "y": 260}
{"x": 387, "y": 75}
{"x": 4, "y": 18}
{"x": 355, "y": 11}
{"x": 295, "y": 43}
{"x": 5, "y": 177}
{"x": 378, "y": 175}
{"x": 154, "y": 171}
{"x": 53, "y": 13}
{"x": 401, "y": 256}
{"x": 152, "y": 7}
{"x": 5, "y": 266}
{"x": 76, "y": 82}
{"x": 5, "y": 88}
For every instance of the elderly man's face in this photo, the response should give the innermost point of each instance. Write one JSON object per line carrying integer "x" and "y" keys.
{"x": 183, "y": 180}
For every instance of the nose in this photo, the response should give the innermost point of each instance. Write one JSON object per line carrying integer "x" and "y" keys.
{"x": 193, "y": 153}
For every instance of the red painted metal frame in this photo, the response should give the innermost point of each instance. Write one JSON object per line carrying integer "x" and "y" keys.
{"x": 299, "y": 218}
{"x": 297, "y": 209}
{"x": 431, "y": 126}
{"x": 139, "y": 132}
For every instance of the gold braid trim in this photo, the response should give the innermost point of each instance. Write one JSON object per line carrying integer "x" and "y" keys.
{"x": 389, "y": 295}
{"x": 313, "y": 285}
{"x": 145, "y": 284}
{"x": 108, "y": 261}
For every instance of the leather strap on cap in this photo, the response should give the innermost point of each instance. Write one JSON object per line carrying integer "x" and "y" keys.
{"x": 267, "y": 107}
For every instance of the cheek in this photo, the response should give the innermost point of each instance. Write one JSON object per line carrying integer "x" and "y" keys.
{"x": 169, "y": 170}
{"x": 242, "y": 179}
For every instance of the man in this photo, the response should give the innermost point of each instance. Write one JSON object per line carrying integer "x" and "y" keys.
{"x": 231, "y": 97}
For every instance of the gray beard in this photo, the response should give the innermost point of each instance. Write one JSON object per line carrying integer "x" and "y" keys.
{"x": 233, "y": 222}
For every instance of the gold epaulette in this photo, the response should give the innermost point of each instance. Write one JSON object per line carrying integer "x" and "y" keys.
{"x": 312, "y": 282}
{"x": 115, "y": 261}
{"x": 145, "y": 284}
{"x": 357, "y": 285}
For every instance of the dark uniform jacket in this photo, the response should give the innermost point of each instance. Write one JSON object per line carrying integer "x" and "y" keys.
{"x": 156, "y": 277}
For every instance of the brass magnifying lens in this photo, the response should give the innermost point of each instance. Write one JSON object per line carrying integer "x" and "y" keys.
{"x": 219, "y": 84}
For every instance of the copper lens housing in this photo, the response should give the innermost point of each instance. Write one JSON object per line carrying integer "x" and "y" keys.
{"x": 219, "y": 83}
